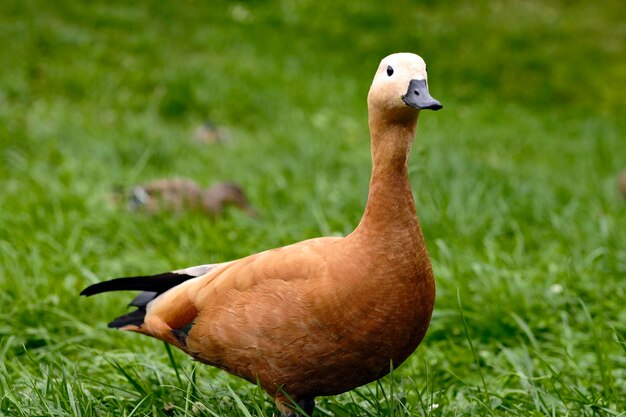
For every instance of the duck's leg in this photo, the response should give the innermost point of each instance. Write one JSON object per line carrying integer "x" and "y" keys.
{"x": 308, "y": 405}
{"x": 287, "y": 410}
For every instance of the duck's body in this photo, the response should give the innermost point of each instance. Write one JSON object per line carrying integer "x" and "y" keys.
{"x": 281, "y": 317}
{"x": 325, "y": 315}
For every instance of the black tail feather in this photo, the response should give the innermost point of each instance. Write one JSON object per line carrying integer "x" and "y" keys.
{"x": 134, "y": 317}
{"x": 151, "y": 286}
{"x": 143, "y": 299}
{"x": 155, "y": 283}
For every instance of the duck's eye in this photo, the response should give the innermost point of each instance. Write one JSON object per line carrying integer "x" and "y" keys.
{"x": 389, "y": 70}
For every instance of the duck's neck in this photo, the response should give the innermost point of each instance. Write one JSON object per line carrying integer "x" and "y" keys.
{"x": 390, "y": 210}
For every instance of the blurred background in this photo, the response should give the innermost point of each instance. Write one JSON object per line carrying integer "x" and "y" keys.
{"x": 515, "y": 182}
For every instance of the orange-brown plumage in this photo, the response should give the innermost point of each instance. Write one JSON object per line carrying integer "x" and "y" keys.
{"x": 325, "y": 315}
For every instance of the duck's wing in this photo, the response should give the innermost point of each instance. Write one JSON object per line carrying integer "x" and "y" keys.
{"x": 234, "y": 295}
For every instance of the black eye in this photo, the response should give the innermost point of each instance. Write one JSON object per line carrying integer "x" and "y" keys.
{"x": 389, "y": 70}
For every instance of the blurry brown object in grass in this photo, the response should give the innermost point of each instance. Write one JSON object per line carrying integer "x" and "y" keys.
{"x": 181, "y": 194}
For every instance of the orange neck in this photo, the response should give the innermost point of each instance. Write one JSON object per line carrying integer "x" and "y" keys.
{"x": 390, "y": 208}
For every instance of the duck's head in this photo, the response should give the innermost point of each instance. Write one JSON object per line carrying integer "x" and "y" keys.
{"x": 400, "y": 86}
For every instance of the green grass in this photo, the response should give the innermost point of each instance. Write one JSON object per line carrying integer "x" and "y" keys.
{"x": 514, "y": 182}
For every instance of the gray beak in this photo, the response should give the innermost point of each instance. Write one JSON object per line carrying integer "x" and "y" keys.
{"x": 417, "y": 96}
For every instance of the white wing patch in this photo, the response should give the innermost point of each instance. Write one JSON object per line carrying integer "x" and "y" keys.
{"x": 195, "y": 271}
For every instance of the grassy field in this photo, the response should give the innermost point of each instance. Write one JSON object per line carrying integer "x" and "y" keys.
{"x": 514, "y": 182}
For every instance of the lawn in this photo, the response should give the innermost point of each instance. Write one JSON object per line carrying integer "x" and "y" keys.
{"x": 514, "y": 182}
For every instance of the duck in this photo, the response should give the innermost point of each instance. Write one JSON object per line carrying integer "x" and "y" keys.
{"x": 178, "y": 194}
{"x": 322, "y": 316}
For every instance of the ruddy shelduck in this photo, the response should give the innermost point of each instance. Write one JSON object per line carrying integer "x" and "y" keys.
{"x": 325, "y": 315}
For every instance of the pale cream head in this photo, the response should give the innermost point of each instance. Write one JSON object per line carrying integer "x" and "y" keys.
{"x": 400, "y": 84}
